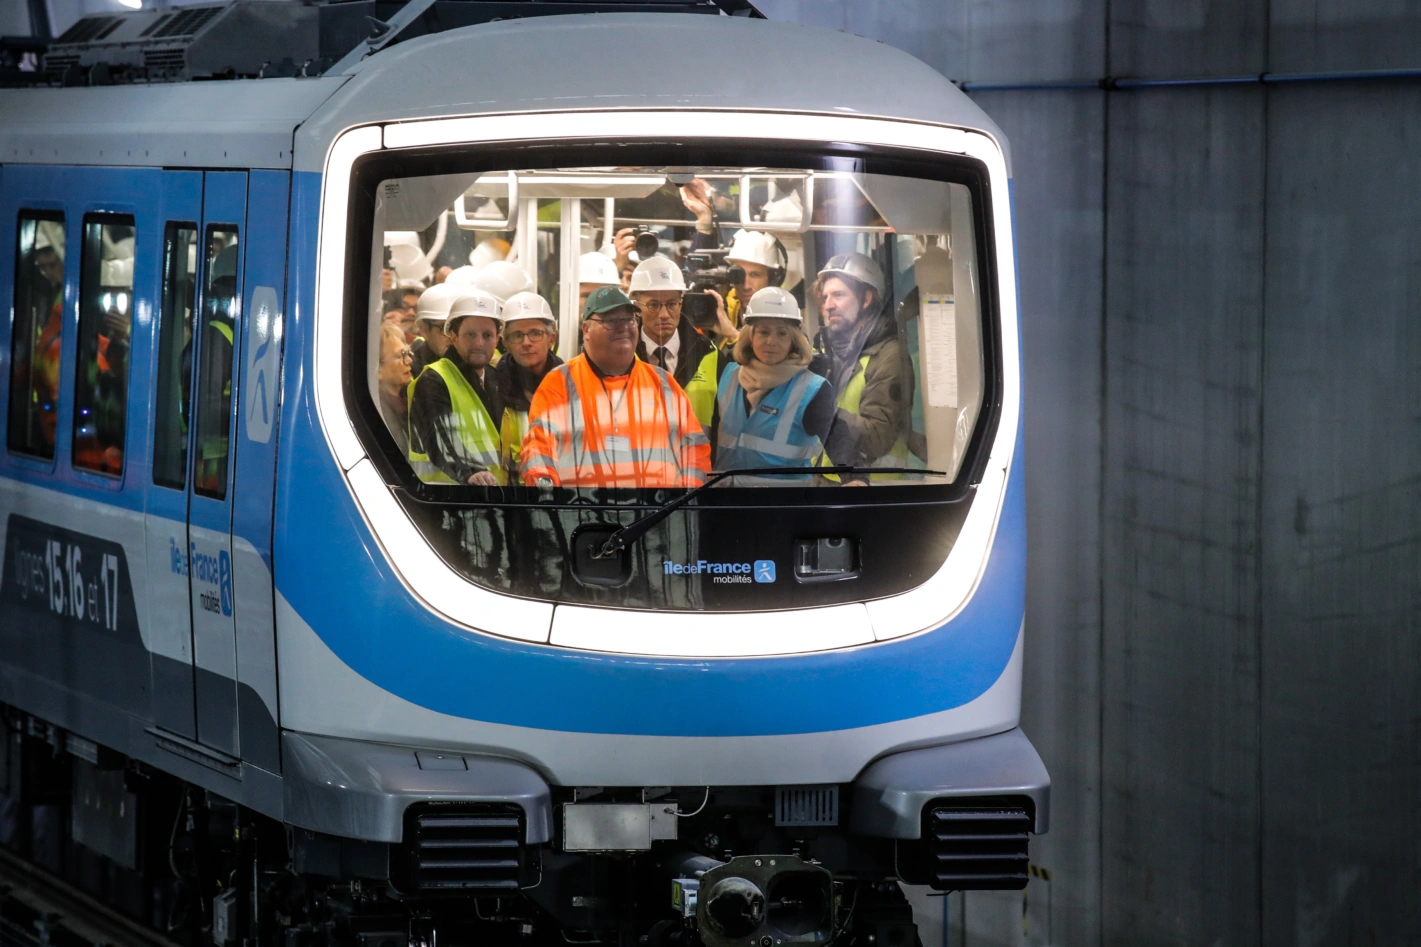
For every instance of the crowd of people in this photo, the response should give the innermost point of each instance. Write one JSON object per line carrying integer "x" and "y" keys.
{"x": 473, "y": 391}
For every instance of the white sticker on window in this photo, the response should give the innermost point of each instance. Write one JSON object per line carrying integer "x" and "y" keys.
{"x": 264, "y": 351}
{"x": 940, "y": 350}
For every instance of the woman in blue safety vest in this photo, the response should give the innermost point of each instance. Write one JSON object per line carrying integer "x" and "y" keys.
{"x": 773, "y": 411}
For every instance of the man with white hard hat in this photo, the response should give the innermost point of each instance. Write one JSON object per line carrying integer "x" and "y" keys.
{"x": 763, "y": 259}
{"x": 454, "y": 407}
{"x": 860, "y": 339}
{"x": 430, "y": 313}
{"x": 529, "y": 337}
{"x": 670, "y": 342}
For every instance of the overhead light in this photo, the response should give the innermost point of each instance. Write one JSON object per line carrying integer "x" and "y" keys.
{"x": 131, "y": 4}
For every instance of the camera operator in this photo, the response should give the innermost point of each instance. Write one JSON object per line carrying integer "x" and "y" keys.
{"x": 764, "y": 260}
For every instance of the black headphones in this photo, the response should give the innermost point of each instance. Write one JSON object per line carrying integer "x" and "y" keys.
{"x": 778, "y": 273}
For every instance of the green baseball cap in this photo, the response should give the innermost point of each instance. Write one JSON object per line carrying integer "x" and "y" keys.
{"x": 605, "y": 299}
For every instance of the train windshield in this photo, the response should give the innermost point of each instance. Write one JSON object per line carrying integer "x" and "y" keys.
{"x": 598, "y": 332}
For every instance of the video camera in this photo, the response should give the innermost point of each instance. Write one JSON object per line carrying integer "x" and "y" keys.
{"x": 707, "y": 269}
{"x": 648, "y": 244}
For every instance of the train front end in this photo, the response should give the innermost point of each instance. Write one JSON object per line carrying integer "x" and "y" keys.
{"x": 760, "y": 707}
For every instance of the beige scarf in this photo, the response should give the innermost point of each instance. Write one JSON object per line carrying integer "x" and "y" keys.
{"x": 759, "y": 379}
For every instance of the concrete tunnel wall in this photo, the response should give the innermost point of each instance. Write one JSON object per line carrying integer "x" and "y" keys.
{"x": 1221, "y": 298}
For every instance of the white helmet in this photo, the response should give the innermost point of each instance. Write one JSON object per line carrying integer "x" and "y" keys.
{"x": 472, "y": 302}
{"x": 657, "y": 273}
{"x": 461, "y": 276}
{"x": 756, "y": 246}
{"x": 858, "y": 266}
{"x": 407, "y": 257}
{"x": 527, "y": 306}
{"x": 435, "y": 301}
{"x": 597, "y": 267}
{"x": 773, "y": 303}
{"x": 501, "y": 279}
{"x": 488, "y": 251}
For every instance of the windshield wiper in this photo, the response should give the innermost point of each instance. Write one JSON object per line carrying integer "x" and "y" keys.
{"x": 640, "y": 526}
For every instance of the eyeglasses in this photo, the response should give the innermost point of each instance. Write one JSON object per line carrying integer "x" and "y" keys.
{"x": 656, "y": 305}
{"x": 615, "y": 325}
{"x": 403, "y": 355}
{"x": 532, "y": 335}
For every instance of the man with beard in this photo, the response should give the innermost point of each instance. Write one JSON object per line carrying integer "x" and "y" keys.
{"x": 860, "y": 342}
{"x": 453, "y": 403}
{"x": 529, "y": 336}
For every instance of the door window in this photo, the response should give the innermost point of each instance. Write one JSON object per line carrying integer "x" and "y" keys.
{"x": 217, "y": 330}
{"x": 175, "y": 345}
{"x": 34, "y": 344}
{"x": 105, "y": 320}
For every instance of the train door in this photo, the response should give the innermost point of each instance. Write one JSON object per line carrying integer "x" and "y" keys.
{"x": 166, "y": 507}
{"x": 216, "y": 334}
{"x": 254, "y": 476}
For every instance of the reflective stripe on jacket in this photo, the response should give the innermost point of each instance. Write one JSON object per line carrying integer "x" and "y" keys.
{"x": 773, "y": 434}
{"x": 634, "y": 430}
{"x": 510, "y": 434}
{"x": 475, "y": 428}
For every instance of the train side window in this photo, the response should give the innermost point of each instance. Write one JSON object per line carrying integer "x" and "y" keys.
{"x": 34, "y": 343}
{"x": 175, "y": 344}
{"x": 105, "y": 320}
{"x": 214, "y": 375}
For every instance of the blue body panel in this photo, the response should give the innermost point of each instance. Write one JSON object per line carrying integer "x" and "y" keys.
{"x": 78, "y": 191}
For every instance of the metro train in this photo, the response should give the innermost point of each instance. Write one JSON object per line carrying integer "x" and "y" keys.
{"x": 264, "y": 685}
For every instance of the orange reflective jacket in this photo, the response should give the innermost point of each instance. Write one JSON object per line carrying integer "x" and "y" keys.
{"x": 634, "y": 430}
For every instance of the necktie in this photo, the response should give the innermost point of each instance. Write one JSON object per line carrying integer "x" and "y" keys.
{"x": 660, "y": 356}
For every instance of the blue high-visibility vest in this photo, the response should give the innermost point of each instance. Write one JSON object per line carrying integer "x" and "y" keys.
{"x": 773, "y": 434}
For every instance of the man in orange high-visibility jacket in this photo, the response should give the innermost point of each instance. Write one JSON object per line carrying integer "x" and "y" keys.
{"x": 606, "y": 419}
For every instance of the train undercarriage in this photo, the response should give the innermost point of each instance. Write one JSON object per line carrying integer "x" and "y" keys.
{"x": 660, "y": 867}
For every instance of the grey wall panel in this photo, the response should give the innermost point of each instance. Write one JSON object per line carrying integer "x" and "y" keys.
{"x": 1156, "y": 38}
{"x": 1342, "y": 541}
{"x": 933, "y": 31}
{"x": 1049, "y": 40}
{"x": 1328, "y": 35}
{"x": 1183, "y": 360}
{"x": 1058, "y": 229}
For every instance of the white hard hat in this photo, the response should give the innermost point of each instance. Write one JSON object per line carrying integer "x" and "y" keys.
{"x": 461, "y": 276}
{"x": 773, "y": 303}
{"x": 407, "y": 257}
{"x": 402, "y": 238}
{"x": 49, "y": 235}
{"x": 858, "y": 266}
{"x": 471, "y": 302}
{"x": 435, "y": 301}
{"x": 657, "y": 273}
{"x": 597, "y": 267}
{"x": 488, "y": 251}
{"x": 756, "y": 246}
{"x": 527, "y": 306}
{"x": 117, "y": 272}
{"x": 501, "y": 279}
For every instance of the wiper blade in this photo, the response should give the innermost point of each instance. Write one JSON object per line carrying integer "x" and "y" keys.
{"x": 642, "y": 525}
